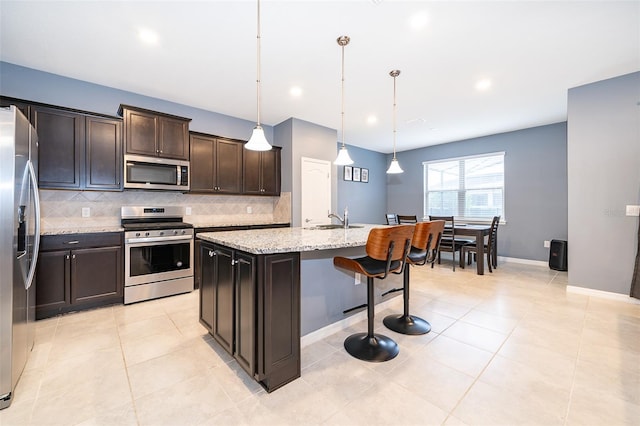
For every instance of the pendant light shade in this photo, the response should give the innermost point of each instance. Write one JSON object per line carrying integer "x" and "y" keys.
{"x": 258, "y": 141}
{"x": 343, "y": 155}
{"x": 394, "y": 167}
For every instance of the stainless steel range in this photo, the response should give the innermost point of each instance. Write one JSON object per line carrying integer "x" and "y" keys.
{"x": 158, "y": 253}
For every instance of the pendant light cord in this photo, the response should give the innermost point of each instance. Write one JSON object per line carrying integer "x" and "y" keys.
{"x": 258, "y": 76}
{"x": 394, "y": 74}
{"x": 342, "y": 114}
{"x": 394, "y": 167}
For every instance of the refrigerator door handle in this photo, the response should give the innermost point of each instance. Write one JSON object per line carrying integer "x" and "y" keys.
{"x": 36, "y": 244}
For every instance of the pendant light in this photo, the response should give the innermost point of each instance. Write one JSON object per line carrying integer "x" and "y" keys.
{"x": 258, "y": 141}
{"x": 394, "y": 167}
{"x": 343, "y": 155}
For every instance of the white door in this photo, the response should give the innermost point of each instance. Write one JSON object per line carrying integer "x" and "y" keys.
{"x": 316, "y": 191}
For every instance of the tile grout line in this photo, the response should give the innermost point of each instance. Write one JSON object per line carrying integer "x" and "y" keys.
{"x": 575, "y": 364}
{"x": 126, "y": 370}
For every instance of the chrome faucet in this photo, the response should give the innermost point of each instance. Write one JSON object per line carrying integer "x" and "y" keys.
{"x": 345, "y": 221}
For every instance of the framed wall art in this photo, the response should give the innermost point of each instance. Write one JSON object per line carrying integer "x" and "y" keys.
{"x": 356, "y": 174}
{"x": 348, "y": 173}
{"x": 364, "y": 175}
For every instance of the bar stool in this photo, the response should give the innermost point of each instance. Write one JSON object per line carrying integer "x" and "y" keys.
{"x": 424, "y": 249}
{"x": 387, "y": 249}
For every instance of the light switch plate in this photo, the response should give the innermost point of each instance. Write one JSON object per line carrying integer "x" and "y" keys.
{"x": 633, "y": 210}
{"x": 187, "y": 211}
{"x": 86, "y": 212}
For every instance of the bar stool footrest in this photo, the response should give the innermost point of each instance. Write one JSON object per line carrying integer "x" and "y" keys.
{"x": 406, "y": 324}
{"x": 376, "y": 348}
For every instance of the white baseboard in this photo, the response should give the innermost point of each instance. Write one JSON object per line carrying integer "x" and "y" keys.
{"x": 523, "y": 261}
{"x": 602, "y": 294}
{"x": 330, "y": 329}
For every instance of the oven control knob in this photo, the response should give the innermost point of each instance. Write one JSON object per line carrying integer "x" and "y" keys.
{"x": 146, "y": 234}
{"x": 175, "y": 232}
{"x": 184, "y": 232}
{"x": 161, "y": 232}
{"x": 137, "y": 234}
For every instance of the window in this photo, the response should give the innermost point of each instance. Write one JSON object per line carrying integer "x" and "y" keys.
{"x": 469, "y": 188}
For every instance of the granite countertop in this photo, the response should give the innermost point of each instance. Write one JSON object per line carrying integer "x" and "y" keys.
{"x": 209, "y": 223}
{"x": 80, "y": 230}
{"x": 284, "y": 240}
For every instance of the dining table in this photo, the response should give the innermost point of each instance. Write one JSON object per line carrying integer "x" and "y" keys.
{"x": 479, "y": 232}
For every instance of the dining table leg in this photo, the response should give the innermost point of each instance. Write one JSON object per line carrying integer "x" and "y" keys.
{"x": 480, "y": 254}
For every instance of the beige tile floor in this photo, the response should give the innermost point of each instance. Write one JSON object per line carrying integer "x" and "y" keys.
{"x": 507, "y": 348}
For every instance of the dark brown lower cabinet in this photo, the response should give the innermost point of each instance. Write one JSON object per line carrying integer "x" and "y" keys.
{"x": 78, "y": 271}
{"x": 251, "y": 306}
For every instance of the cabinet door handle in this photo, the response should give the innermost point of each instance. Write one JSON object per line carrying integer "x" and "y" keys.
{"x": 212, "y": 253}
{"x": 73, "y": 242}
{"x": 67, "y": 257}
{"x": 73, "y": 257}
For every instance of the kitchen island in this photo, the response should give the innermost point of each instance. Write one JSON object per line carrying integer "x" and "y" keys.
{"x": 261, "y": 290}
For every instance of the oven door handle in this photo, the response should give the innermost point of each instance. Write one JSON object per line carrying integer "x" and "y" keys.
{"x": 158, "y": 239}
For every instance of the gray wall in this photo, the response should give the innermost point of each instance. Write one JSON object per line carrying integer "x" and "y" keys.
{"x": 305, "y": 139}
{"x": 366, "y": 201}
{"x": 604, "y": 176}
{"x": 535, "y": 185}
{"x": 38, "y": 86}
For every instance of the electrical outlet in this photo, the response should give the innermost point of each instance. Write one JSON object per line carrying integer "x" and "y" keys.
{"x": 86, "y": 212}
{"x": 358, "y": 276}
{"x": 187, "y": 211}
{"x": 249, "y": 209}
{"x": 547, "y": 243}
{"x": 633, "y": 210}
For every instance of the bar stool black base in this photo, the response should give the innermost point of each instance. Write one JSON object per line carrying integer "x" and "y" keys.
{"x": 378, "y": 348}
{"x": 406, "y": 324}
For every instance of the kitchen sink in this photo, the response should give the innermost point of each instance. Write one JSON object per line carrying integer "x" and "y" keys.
{"x": 335, "y": 226}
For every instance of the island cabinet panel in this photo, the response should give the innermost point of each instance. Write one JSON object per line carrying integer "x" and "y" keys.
{"x": 78, "y": 271}
{"x": 265, "y": 303}
{"x": 245, "y": 315}
{"x": 278, "y": 319}
{"x": 223, "y": 301}
{"x": 206, "y": 265}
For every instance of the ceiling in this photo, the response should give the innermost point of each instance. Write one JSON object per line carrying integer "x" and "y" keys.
{"x": 532, "y": 52}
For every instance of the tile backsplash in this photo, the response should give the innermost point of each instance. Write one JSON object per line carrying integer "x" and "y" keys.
{"x": 63, "y": 209}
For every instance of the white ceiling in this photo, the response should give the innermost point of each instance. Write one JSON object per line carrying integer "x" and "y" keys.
{"x": 532, "y": 52}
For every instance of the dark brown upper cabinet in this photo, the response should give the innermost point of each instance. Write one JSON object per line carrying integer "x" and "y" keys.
{"x": 154, "y": 133}
{"x": 216, "y": 164}
{"x": 77, "y": 150}
{"x": 261, "y": 172}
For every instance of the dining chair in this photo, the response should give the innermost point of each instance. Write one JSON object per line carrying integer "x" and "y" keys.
{"x": 490, "y": 248}
{"x": 392, "y": 219}
{"x": 449, "y": 242}
{"x": 407, "y": 219}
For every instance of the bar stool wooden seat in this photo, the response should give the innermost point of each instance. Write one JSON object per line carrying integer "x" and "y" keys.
{"x": 424, "y": 249}
{"x": 387, "y": 249}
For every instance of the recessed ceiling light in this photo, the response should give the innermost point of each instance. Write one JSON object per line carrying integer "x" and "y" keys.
{"x": 372, "y": 119}
{"x": 295, "y": 91}
{"x": 418, "y": 21}
{"x": 483, "y": 84}
{"x": 148, "y": 36}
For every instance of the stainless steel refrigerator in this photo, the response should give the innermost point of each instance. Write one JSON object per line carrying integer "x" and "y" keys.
{"x": 19, "y": 243}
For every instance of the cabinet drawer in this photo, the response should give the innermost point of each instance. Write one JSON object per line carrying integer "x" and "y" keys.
{"x": 75, "y": 241}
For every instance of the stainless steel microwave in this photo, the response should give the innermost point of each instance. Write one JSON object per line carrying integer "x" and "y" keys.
{"x": 142, "y": 172}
